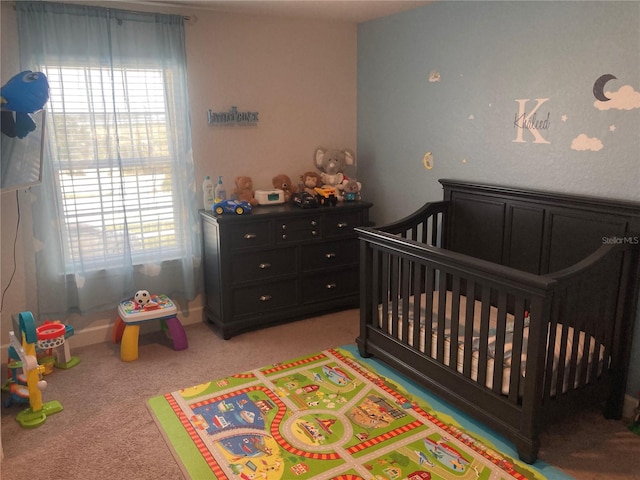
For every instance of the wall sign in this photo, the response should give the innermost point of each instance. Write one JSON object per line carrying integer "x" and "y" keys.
{"x": 232, "y": 117}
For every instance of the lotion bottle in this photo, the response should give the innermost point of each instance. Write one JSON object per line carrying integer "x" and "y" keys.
{"x": 207, "y": 192}
{"x": 220, "y": 191}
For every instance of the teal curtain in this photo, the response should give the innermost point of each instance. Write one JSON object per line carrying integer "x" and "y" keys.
{"x": 117, "y": 209}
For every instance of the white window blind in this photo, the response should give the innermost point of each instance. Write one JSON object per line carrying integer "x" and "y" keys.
{"x": 113, "y": 164}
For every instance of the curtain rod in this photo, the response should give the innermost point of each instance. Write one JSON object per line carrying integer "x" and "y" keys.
{"x": 187, "y": 18}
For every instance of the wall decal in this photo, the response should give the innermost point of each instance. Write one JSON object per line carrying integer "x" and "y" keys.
{"x": 530, "y": 122}
{"x": 434, "y": 76}
{"x": 598, "y": 87}
{"x": 583, "y": 142}
{"x": 232, "y": 117}
{"x": 427, "y": 161}
{"x": 626, "y": 98}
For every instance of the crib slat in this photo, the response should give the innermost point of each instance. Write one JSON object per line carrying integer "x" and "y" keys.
{"x": 455, "y": 322}
{"x": 381, "y": 264}
{"x": 560, "y": 360}
{"x": 484, "y": 335}
{"x": 428, "y": 310}
{"x": 405, "y": 274}
{"x": 395, "y": 267}
{"x": 468, "y": 328}
{"x": 442, "y": 315}
{"x": 418, "y": 282}
{"x": 551, "y": 363}
{"x": 516, "y": 349}
{"x": 498, "y": 362}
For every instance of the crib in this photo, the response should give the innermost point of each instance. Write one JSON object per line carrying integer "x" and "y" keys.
{"x": 515, "y": 305}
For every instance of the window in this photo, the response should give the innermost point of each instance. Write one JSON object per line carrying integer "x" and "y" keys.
{"x": 115, "y": 172}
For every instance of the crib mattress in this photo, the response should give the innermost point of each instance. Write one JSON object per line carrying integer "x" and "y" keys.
{"x": 491, "y": 341}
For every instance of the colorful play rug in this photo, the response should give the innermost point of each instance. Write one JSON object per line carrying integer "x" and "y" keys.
{"x": 332, "y": 415}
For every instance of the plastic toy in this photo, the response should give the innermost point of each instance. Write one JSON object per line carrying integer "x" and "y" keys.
{"x": 304, "y": 200}
{"x": 52, "y": 338}
{"x": 283, "y": 182}
{"x": 326, "y": 195}
{"x": 142, "y": 297}
{"x": 232, "y": 206}
{"x": 37, "y": 413}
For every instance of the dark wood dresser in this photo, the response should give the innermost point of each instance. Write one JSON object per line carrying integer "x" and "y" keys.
{"x": 280, "y": 263}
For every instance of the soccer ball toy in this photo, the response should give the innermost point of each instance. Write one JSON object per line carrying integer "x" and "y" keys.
{"x": 142, "y": 297}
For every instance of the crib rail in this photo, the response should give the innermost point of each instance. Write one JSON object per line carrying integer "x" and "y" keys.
{"x": 586, "y": 323}
{"x": 426, "y": 225}
{"x": 511, "y": 343}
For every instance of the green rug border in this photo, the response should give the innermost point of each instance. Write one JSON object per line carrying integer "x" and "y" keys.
{"x": 181, "y": 444}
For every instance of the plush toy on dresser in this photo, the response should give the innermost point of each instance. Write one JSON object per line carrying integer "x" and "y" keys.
{"x": 331, "y": 163}
{"x": 283, "y": 182}
{"x": 350, "y": 190}
{"x": 244, "y": 190}
{"x": 309, "y": 181}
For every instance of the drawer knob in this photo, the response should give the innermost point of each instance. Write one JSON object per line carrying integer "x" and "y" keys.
{"x": 284, "y": 236}
{"x": 313, "y": 223}
{"x": 329, "y": 255}
{"x": 265, "y": 298}
{"x": 264, "y": 266}
{"x": 330, "y": 286}
{"x": 284, "y": 226}
{"x": 249, "y": 236}
{"x": 314, "y": 233}
{"x": 342, "y": 224}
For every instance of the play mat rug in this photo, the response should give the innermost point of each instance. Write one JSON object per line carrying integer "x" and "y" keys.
{"x": 332, "y": 415}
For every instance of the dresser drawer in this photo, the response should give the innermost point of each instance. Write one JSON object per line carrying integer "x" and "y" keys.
{"x": 250, "y": 234}
{"x": 263, "y": 298}
{"x": 324, "y": 286}
{"x": 341, "y": 223}
{"x": 329, "y": 254}
{"x": 298, "y": 229}
{"x": 263, "y": 265}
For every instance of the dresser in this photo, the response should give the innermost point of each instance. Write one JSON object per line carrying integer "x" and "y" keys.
{"x": 280, "y": 263}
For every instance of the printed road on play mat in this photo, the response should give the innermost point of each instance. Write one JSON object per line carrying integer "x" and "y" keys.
{"x": 325, "y": 416}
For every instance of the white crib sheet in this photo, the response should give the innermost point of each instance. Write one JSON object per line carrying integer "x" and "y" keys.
{"x": 491, "y": 341}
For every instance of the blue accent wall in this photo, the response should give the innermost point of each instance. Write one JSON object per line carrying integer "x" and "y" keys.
{"x": 516, "y": 93}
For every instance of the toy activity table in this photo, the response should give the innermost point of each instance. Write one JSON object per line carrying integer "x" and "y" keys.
{"x": 131, "y": 316}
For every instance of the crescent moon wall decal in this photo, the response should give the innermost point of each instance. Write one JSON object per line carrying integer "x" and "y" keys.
{"x": 598, "y": 87}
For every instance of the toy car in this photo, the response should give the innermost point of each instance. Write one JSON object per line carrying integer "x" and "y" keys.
{"x": 238, "y": 207}
{"x": 304, "y": 200}
{"x": 326, "y": 195}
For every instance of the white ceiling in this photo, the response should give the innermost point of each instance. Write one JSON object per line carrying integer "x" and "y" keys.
{"x": 343, "y": 10}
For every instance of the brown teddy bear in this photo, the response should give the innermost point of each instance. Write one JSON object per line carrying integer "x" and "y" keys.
{"x": 311, "y": 180}
{"x": 244, "y": 190}
{"x": 283, "y": 182}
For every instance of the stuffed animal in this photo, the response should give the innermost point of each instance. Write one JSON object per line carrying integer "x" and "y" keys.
{"x": 350, "y": 190}
{"x": 244, "y": 190}
{"x": 331, "y": 164}
{"x": 283, "y": 182}
{"x": 310, "y": 180}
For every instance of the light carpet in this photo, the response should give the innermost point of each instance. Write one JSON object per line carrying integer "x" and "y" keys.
{"x": 330, "y": 415}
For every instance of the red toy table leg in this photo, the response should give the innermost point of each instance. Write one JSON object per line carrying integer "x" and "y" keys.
{"x": 177, "y": 333}
{"x": 118, "y": 329}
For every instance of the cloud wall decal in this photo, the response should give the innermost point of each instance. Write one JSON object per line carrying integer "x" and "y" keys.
{"x": 626, "y": 98}
{"x": 583, "y": 142}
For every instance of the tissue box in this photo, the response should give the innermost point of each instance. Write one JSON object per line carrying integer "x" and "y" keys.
{"x": 269, "y": 197}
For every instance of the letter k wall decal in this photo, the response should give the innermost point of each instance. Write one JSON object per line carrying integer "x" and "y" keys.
{"x": 530, "y": 121}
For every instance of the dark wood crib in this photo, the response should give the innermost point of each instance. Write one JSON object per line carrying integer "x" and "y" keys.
{"x": 515, "y": 305}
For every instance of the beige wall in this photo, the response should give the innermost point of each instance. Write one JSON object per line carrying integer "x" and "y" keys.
{"x": 300, "y": 75}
